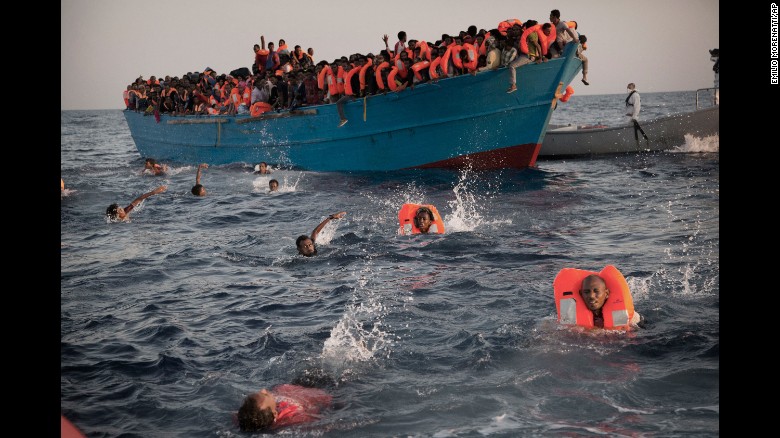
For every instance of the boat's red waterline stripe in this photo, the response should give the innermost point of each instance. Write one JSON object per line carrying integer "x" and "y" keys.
{"x": 518, "y": 157}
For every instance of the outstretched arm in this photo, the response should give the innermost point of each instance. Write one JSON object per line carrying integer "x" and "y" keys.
{"x": 197, "y": 175}
{"x": 317, "y": 230}
{"x": 138, "y": 200}
{"x": 262, "y": 42}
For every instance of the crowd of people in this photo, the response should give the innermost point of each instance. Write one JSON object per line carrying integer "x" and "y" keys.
{"x": 284, "y": 79}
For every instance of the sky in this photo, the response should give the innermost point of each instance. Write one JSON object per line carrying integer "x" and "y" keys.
{"x": 660, "y": 45}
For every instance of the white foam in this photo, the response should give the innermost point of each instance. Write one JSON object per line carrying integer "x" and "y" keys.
{"x": 695, "y": 144}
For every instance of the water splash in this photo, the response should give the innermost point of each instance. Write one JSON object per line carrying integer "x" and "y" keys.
{"x": 465, "y": 208}
{"x": 361, "y": 334}
{"x": 695, "y": 144}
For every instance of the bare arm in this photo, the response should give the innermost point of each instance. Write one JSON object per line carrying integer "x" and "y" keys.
{"x": 262, "y": 42}
{"x": 574, "y": 37}
{"x": 317, "y": 230}
{"x": 138, "y": 200}
{"x": 197, "y": 175}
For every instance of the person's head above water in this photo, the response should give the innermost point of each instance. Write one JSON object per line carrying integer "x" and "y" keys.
{"x": 423, "y": 219}
{"x": 198, "y": 190}
{"x": 257, "y": 412}
{"x": 273, "y": 185}
{"x": 305, "y": 246}
{"x": 594, "y": 292}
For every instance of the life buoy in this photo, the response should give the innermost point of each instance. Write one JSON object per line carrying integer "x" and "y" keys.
{"x": 567, "y": 95}
{"x": 259, "y": 108}
{"x": 542, "y": 38}
{"x": 408, "y": 224}
{"x": 618, "y": 309}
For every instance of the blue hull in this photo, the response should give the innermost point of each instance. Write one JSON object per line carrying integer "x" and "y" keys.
{"x": 461, "y": 121}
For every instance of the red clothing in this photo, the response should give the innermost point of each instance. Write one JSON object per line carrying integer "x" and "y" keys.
{"x": 298, "y": 404}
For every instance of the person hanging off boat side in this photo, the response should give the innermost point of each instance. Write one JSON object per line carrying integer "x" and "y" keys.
{"x": 115, "y": 212}
{"x": 530, "y": 39}
{"x": 306, "y": 244}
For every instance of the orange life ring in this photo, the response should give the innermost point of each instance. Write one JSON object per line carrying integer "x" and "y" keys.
{"x": 408, "y": 225}
{"x": 618, "y": 309}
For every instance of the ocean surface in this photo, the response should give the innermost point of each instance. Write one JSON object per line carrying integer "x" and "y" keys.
{"x": 170, "y": 319}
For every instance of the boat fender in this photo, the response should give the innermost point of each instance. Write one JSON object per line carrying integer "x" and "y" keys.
{"x": 618, "y": 309}
{"x": 408, "y": 223}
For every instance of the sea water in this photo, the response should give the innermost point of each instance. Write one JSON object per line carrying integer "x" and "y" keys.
{"x": 170, "y": 319}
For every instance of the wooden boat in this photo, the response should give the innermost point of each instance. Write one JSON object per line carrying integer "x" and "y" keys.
{"x": 466, "y": 120}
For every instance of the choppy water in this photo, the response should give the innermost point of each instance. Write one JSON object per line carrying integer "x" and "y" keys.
{"x": 170, "y": 319}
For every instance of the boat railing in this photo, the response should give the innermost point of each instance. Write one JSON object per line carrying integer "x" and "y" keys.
{"x": 714, "y": 93}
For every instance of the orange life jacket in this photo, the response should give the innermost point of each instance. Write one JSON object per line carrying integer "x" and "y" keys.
{"x": 363, "y": 73}
{"x": 454, "y": 50}
{"x": 247, "y": 96}
{"x": 471, "y": 62}
{"x": 419, "y": 66}
{"x": 567, "y": 95}
{"x": 618, "y": 309}
{"x": 506, "y": 24}
{"x": 542, "y": 39}
{"x": 408, "y": 225}
{"x": 126, "y": 97}
{"x": 401, "y": 66}
{"x": 259, "y": 108}
{"x": 445, "y": 62}
{"x": 340, "y": 74}
{"x": 425, "y": 50}
{"x": 391, "y": 83}
{"x": 435, "y": 65}
{"x": 378, "y": 74}
{"x": 348, "y": 81}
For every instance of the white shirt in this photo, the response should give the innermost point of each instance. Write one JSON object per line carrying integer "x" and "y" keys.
{"x": 633, "y": 106}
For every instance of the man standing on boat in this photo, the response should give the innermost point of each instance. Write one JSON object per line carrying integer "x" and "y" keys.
{"x": 632, "y": 102}
{"x": 632, "y": 110}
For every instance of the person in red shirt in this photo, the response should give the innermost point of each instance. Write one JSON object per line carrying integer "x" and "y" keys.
{"x": 284, "y": 405}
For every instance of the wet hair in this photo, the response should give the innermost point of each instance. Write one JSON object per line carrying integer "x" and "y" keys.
{"x": 111, "y": 211}
{"x": 253, "y": 419}
{"x": 300, "y": 239}
{"x": 419, "y": 212}
{"x": 196, "y": 189}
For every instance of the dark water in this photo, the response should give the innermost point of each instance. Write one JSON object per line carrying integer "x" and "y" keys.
{"x": 169, "y": 320}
